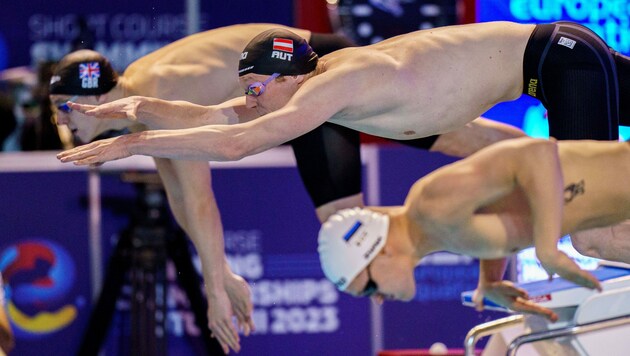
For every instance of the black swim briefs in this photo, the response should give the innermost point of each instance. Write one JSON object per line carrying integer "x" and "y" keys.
{"x": 572, "y": 72}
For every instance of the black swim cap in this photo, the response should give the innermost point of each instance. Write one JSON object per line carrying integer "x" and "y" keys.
{"x": 277, "y": 51}
{"x": 83, "y": 72}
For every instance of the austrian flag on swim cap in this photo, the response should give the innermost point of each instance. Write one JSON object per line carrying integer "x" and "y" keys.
{"x": 277, "y": 51}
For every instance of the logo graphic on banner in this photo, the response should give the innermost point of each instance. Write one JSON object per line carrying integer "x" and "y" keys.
{"x": 89, "y": 74}
{"x": 38, "y": 277}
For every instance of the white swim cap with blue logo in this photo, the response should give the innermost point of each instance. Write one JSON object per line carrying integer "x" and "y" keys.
{"x": 349, "y": 241}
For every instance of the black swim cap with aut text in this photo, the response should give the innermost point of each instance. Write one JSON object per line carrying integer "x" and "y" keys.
{"x": 277, "y": 51}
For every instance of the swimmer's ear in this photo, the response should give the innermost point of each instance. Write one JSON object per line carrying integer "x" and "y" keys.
{"x": 102, "y": 99}
{"x": 391, "y": 250}
{"x": 299, "y": 78}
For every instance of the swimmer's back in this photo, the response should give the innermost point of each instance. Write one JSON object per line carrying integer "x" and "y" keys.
{"x": 431, "y": 81}
{"x": 200, "y": 68}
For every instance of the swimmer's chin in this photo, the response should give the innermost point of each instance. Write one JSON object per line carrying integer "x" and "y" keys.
{"x": 407, "y": 295}
{"x": 406, "y": 298}
{"x": 403, "y": 297}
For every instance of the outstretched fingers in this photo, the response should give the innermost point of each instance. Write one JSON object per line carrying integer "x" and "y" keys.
{"x": 582, "y": 278}
{"x": 82, "y": 108}
{"x": 240, "y": 298}
{"x": 527, "y": 306}
{"x": 77, "y": 154}
{"x": 566, "y": 268}
{"x": 477, "y": 299}
{"x": 245, "y": 323}
{"x": 96, "y": 152}
{"x": 113, "y": 110}
{"x": 243, "y": 309}
{"x": 227, "y": 336}
{"x": 507, "y": 294}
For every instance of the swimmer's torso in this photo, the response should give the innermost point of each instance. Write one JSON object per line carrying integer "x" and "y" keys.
{"x": 202, "y": 68}
{"x": 430, "y": 81}
{"x": 596, "y": 195}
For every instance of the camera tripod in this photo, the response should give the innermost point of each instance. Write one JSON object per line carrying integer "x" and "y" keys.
{"x": 142, "y": 251}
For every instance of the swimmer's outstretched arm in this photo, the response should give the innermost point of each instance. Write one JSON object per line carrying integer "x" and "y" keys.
{"x": 453, "y": 195}
{"x": 192, "y": 201}
{"x": 538, "y": 172}
{"x": 164, "y": 114}
{"x": 303, "y": 113}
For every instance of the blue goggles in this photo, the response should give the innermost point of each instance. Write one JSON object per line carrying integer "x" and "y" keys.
{"x": 64, "y": 106}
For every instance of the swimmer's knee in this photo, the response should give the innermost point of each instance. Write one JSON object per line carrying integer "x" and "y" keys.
{"x": 583, "y": 243}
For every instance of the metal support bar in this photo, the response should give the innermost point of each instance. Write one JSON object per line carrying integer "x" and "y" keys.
{"x": 568, "y": 331}
{"x": 486, "y": 329}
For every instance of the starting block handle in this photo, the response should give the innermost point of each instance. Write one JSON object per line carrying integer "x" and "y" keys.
{"x": 486, "y": 329}
{"x": 568, "y": 331}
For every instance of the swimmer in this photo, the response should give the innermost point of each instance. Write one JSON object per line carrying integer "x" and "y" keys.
{"x": 328, "y": 157}
{"x": 199, "y": 68}
{"x": 507, "y": 197}
{"x": 411, "y": 86}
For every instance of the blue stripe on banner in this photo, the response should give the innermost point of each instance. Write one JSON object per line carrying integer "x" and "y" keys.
{"x": 293, "y": 265}
{"x": 352, "y": 230}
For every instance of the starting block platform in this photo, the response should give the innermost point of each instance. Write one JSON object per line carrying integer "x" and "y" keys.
{"x": 590, "y": 322}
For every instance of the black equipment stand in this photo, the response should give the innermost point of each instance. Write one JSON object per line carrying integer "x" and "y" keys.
{"x": 142, "y": 250}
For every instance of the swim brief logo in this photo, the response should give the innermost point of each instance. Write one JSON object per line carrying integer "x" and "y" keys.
{"x": 282, "y": 49}
{"x": 89, "y": 74}
{"x": 567, "y": 42}
{"x": 54, "y": 79}
{"x": 532, "y": 86}
{"x": 244, "y": 55}
{"x": 39, "y": 278}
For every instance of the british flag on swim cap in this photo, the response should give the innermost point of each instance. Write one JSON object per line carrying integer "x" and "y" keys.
{"x": 277, "y": 51}
{"x": 83, "y": 72}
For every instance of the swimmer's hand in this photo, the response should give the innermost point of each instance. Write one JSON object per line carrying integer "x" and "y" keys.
{"x": 125, "y": 108}
{"x": 241, "y": 300}
{"x": 506, "y": 294}
{"x": 220, "y": 321}
{"x": 558, "y": 262}
{"x": 222, "y": 304}
{"x": 97, "y": 152}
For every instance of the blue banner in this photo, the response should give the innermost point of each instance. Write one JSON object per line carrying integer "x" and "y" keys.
{"x": 36, "y": 31}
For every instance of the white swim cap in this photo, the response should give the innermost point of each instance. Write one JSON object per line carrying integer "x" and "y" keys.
{"x": 348, "y": 241}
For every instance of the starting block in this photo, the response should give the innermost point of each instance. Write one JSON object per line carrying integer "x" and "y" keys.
{"x": 590, "y": 322}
